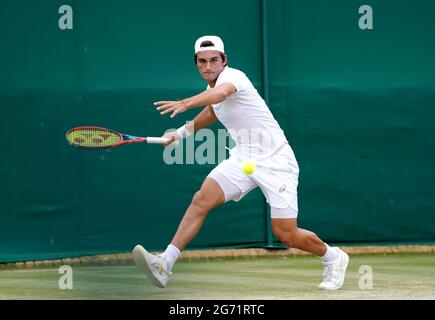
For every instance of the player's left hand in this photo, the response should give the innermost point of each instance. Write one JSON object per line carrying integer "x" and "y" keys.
{"x": 175, "y": 107}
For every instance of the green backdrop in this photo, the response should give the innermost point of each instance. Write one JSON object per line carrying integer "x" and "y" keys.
{"x": 356, "y": 105}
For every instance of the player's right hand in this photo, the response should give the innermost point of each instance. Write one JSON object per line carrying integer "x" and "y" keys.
{"x": 174, "y": 139}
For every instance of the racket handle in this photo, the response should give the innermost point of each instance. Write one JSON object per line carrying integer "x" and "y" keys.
{"x": 157, "y": 140}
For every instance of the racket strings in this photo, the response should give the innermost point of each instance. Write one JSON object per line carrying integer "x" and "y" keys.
{"x": 93, "y": 138}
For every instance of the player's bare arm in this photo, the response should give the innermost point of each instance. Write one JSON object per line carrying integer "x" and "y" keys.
{"x": 208, "y": 97}
{"x": 205, "y": 118}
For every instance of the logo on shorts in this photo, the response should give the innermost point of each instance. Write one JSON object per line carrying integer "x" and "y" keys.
{"x": 281, "y": 189}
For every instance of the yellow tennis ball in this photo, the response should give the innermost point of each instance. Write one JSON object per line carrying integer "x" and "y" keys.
{"x": 248, "y": 167}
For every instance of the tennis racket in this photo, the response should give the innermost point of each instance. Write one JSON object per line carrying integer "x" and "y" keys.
{"x": 101, "y": 138}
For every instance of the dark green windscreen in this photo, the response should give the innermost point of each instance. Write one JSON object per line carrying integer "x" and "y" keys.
{"x": 356, "y": 105}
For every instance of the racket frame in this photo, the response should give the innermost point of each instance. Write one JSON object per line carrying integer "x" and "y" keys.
{"x": 125, "y": 138}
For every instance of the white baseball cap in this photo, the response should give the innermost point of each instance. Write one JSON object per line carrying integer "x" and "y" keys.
{"x": 217, "y": 42}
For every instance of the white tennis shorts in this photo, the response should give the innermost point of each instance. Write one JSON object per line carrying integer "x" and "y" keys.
{"x": 276, "y": 176}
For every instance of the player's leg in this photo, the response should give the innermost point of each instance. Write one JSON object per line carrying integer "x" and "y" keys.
{"x": 158, "y": 268}
{"x": 209, "y": 196}
{"x": 334, "y": 259}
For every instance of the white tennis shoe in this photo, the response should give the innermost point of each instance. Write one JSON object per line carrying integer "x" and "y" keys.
{"x": 153, "y": 266}
{"x": 334, "y": 272}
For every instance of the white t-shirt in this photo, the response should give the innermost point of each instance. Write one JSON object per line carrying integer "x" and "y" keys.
{"x": 247, "y": 118}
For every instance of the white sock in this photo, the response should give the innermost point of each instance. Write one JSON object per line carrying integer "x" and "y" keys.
{"x": 171, "y": 254}
{"x": 330, "y": 255}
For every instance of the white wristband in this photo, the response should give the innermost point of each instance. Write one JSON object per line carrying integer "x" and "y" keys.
{"x": 183, "y": 133}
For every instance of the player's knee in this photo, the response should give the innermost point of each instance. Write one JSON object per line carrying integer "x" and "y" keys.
{"x": 198, "y": 199}
{"x": 277, "y": 231}
{"x": 201, "y": 201}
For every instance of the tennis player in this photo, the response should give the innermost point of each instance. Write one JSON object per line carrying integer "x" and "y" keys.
{"x": 232, "y": 99}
